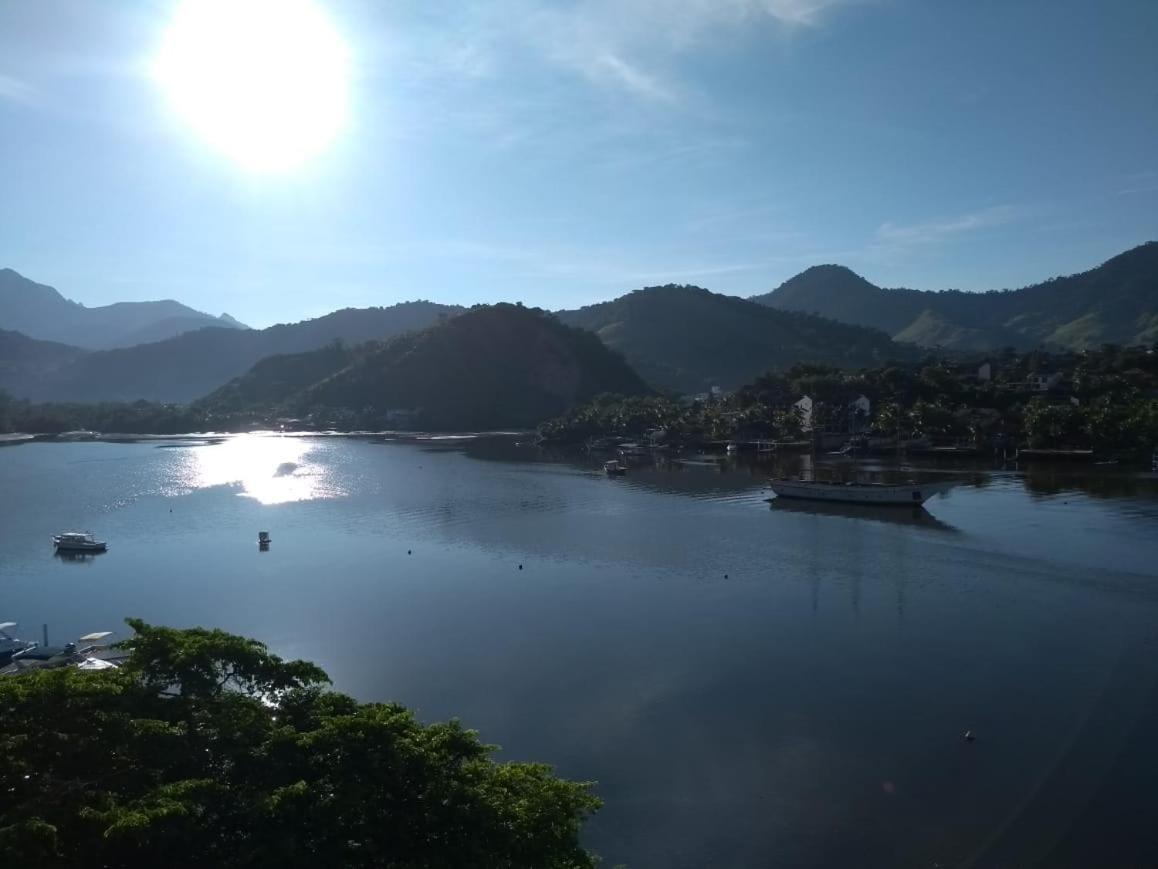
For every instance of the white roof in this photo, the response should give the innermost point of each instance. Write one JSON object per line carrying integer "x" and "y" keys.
{"x": 96, "y": 664}
{"x": 95, "y": 637}
{"x": 6, "y": 625}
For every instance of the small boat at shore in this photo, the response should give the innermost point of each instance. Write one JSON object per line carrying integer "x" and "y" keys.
{"x": 877, "y": 494}
{"x": 78, "y": 541}
{"x": 614, "y": 468}
{"x": 90, "y": 652}
{"x": 10, "y": 644}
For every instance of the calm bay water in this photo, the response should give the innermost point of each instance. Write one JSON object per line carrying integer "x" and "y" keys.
{"x": 750, "y": 684}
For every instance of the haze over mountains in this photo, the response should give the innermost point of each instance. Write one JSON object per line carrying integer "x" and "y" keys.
{"x": 193, "y": 364}
{"x": 40, "y": 311}
{"x": 678, "y": 338}
{"x": 1117, "y": 302}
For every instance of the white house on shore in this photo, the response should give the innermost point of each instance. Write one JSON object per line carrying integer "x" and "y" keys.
{"x": 804, "y": 411}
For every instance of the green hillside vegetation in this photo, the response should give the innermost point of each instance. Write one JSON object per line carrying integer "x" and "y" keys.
{"x": 687, "y": 339}
{"x": 205, "y": 749}
{"x": 494, "y": 366}
{"x": 193, "y": 364}
{"x": 1117, "y": 302}
{"x": 1106, "y": 400}
{"x": 22, "y": 357}
{"x": 276, "y": 379}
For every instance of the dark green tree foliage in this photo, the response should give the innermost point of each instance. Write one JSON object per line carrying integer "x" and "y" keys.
{"x": 1115, "y": 390}
{"x": 206, "y": 750}
{"x": 138, "y": 417}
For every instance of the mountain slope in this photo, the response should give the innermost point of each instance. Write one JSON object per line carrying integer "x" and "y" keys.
{"x": 492, "y": 367}
{"x": 190, "y": 365}
{"x": 274, "y": 380}
{"x": 1117, "y": 302}
{"x": 41, "y": 312}
{"x": 22, "y": 357}
{"x": 689, "y": 339}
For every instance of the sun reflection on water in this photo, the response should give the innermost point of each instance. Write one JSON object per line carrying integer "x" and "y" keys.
{"x": 271, "y": 469}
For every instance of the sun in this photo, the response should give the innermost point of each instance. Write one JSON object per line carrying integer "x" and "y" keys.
{"x": 263, "y": 82}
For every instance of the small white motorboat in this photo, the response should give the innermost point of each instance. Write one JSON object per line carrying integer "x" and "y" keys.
{"x": 78, "y": 541}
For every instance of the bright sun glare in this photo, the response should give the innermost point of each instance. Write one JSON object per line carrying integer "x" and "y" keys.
{"x": 264, "y": 82}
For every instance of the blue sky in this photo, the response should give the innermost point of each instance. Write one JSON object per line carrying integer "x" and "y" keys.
{"x": 561, "y": 153}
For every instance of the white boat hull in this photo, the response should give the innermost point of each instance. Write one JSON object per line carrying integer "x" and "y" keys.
{"x": 908, "y": 495}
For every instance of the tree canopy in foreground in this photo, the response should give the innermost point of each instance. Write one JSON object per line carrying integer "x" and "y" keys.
{"x": 207, "y": 750}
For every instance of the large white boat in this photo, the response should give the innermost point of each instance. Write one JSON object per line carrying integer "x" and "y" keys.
{"x": 883, "y": 494}
{"x": 78, "y": 541}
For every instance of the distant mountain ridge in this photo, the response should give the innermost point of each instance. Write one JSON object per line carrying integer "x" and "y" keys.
{"x": 192, "y": 364}
{"x": 41, "y": 312}
{"x": 688, "y": 339}
{"x": 1117, "y": 302}
{"x": 493, "y": 366}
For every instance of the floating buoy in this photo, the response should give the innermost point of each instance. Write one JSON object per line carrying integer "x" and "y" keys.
{"x": 520, "y": 567}
{"x": 725, "y": 576}
{"x": 407, "y": 551}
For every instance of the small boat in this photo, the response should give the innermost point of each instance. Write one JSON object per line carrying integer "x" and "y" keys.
{"x": 878, "y": 494}
{"x": 10, "y": 645}
{"x": 78, "y": 541}
{"x": 84, "y": 653}
{"x": 614, "y": 468}
{"x": 263, "y": 539}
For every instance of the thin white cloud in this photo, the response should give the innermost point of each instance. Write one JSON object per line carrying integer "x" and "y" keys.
{"x": 15, "y": 90}
{"x": 942, "y": 228}
{"x": 796, "y": 11}
{"x": 619, "y": 71}
{"x": 629, "y": 45}
{"x": 1140, "y": 182}
{"x": 1143, "y": 189}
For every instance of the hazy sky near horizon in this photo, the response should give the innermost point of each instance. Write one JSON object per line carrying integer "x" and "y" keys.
{"x": 561, "y": 153}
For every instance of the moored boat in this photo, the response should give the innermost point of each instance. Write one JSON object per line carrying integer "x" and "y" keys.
{"x": 90, "y": 652}
{"x": 879, "y": 494}
{"x": 78, "y": 541}
{"x": 9, "y": 644}
{"x": 614, "y": 468}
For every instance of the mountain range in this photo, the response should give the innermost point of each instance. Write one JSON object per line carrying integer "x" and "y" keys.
{"x": 678, "y": 338}
{"x": 41, "y": 312}
{"x": 1117, "y": 302}
{"x": 192, "y": 364}
{"x": 490, "y": 367}
{"x": 688, "y": 339}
